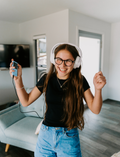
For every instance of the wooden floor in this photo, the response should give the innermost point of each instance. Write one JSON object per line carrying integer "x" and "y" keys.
{"x": 101, "y": 135}
{"x": 99, "y": 138}
{"x": 14, "y": 152}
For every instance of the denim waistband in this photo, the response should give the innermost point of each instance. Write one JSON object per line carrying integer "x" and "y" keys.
{"x": 63, "y": 129}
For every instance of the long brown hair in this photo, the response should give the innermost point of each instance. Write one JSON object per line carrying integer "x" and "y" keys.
{"x": 73, "y": 105}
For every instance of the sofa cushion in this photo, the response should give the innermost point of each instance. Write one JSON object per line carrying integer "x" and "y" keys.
{"x": 24, "y": 130}
{"x": 10, "y": 116}
{"x": 37, "y": 108}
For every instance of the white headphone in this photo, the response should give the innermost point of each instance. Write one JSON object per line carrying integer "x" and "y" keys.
{"x": 78, "y": 60}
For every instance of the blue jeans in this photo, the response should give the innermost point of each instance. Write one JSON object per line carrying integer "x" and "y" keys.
{"x": 58, "y": 142}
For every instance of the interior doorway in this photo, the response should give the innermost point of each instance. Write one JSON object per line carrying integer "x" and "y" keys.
{"x": 91, "y": 45}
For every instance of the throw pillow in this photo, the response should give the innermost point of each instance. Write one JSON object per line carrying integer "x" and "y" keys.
{"x": 38, "y": 128}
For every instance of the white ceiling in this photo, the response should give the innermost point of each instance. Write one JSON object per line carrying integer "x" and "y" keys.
{"x": 19, "y": 11}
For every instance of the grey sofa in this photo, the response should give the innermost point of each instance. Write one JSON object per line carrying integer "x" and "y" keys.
{"x": 18, "y": 129}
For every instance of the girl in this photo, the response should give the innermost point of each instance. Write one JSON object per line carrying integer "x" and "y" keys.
{"x": 64, "y": 87}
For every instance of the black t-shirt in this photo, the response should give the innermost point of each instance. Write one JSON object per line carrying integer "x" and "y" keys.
{"x": 54, "y": 97}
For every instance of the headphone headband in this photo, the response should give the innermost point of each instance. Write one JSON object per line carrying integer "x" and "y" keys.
{"x": 78, "y": 59}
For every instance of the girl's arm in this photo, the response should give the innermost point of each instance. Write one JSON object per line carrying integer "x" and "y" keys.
{"x": 95, "y": 102}
{"x": 25, "y": 98}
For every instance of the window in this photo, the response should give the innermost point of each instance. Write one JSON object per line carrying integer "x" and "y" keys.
{"x": 41, "y": 56}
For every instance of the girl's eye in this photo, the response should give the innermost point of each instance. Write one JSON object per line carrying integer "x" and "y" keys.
{"x": 58, "y": 60}
{"x": 68, "y": 62}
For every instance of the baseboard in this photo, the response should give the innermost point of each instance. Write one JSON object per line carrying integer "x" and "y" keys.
{"x": 111, "y": 100}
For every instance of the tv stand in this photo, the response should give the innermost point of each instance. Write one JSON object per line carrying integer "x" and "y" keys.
{"x": 3, "y": 69}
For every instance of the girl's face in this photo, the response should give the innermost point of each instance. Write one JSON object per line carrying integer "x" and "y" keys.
{"x": 63, "y": 71}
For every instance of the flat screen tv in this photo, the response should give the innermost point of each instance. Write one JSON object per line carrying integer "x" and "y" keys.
{"x": 19, "y": 52}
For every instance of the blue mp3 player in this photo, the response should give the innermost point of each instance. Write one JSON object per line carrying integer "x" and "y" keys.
{"x": 15, "y": 64}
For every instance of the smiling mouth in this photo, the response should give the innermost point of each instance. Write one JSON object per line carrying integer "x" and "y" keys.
{"x": 62, "y": 70}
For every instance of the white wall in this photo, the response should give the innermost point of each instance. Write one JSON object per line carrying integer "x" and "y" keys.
{"x": 54, "y": 26}
{"x": 114, "y": 72}
{"x": 86, "y": 23}
{"x": 59, "y": 27}
{"x": 9, "y": 34}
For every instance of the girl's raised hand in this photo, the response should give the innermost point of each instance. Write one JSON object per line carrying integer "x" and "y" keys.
{"x": 19, "y": 71}
{"x": 99, "y": 80}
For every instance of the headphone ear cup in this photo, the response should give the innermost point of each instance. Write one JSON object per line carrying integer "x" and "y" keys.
{"x": 52, "y": 58}
{"x": 52, "y": 53}
{"x": 77, "y": 62}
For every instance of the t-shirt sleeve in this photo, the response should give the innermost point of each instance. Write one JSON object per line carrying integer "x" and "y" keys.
{"x": 40, "y": 83}
{"x": 85, "y": 84}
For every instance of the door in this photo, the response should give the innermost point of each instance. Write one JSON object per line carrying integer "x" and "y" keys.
{"x": 90, "y": 44}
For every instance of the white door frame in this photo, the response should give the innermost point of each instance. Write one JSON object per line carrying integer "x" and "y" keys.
{"x": 91, "y": 31}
